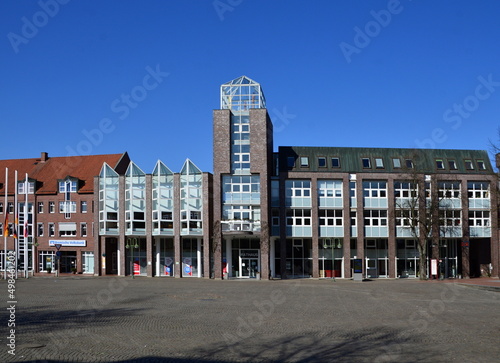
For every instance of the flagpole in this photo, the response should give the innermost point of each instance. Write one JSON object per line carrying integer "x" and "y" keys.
{"x": 26, "y": 231}
{"x": 5, "y": 220}
{"x": 15, "y": 222}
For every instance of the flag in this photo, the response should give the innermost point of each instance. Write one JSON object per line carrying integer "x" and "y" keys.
{"x": 25, "y": 228}
{"x": 6, "y": 226}
{"x": 15, "y": 226}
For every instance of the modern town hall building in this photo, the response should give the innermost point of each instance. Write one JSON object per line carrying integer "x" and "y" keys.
{"x": 285, "y": 212}
{"x": 297, "y": 212}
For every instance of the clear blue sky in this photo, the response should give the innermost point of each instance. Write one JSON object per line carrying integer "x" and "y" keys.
{"x": 143, "y": 76}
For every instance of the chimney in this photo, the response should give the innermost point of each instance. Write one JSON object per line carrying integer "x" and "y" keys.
{"x": 44, "y": 157}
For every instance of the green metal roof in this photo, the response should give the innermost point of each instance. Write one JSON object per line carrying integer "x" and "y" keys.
{"x": 424, "y": 160}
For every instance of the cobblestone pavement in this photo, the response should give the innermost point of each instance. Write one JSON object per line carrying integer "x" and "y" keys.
{"x": 118, "y": 319}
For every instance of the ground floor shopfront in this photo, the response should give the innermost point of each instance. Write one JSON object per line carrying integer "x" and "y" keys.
{"x": 244, "y": 257}
{"x": 159, "y": 257}
{"x": 382, "y": 258}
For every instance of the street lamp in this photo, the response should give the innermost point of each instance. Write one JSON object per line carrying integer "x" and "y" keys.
{"x": 132, "y": 243}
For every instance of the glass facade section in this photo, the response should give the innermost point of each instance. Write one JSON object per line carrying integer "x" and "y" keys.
{"x": 240, "y": 144}
{"x": 330, "y": 193}
{"x": 449, "y": 194}
{"x": 479, "y": 195}
{"x": 135, "y": 200}
{"x": 299, "y": 257}
{"x": 163, "y": 202}
{"x": 331, "y": 257}
{"x": 298, "y": 193}
{"x": 108, "y": 200}
{"x": 191, "y": 199}
{"x": 375, "y": 194}
{"x": 191, "y": 257}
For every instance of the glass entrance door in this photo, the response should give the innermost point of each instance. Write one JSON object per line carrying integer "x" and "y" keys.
{"x": 249, "y": 267}
{"x": 371, "y": 268}
{"x": 249, "y": 263}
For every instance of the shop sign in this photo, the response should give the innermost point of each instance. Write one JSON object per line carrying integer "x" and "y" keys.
{"x": 68, "y": 243}
{"x": 249, "y": 253}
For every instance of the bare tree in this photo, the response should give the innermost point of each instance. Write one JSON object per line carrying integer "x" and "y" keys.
{"x": 419, "y": 211}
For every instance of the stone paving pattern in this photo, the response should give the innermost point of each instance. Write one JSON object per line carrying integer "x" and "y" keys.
{"x": 118, "y": 319}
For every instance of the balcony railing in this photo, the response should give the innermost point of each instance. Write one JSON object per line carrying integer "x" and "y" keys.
{"x": 240, "y": 226}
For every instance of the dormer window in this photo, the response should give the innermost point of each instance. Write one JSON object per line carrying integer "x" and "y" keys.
{"x": 26, "y": 187}
{"x": 68, "y": 186}
{"x": 481, "y": 165}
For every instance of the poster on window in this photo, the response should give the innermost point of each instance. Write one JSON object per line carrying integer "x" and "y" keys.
{"x": 137, "y": 267}
{"x": 168, "y": 270}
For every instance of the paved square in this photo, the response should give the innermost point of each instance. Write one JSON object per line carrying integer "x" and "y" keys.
{"x": 118, "y": 319}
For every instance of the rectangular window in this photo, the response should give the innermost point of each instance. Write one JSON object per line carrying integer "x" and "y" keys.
{"x": 298, "y": 217}
{"x": 67, "y": 207}
{"x": 83, "y": 206}
{"x": 479, "y": 218}
{"x": 322, "y": 162}
{"x": 1, "y": 208}
{"x": 39, "y": 229}
{"x": 449, "y": 217}
{"x": 452, "y": 164}
{"x": 406, "y": 217}
{"x": 366, "y": 163}
{"x": 405, "y": 189}
{"x": 374, "y": 189}
{"x": 10, "y": 207}
{"x": 449, "y": 190}
{"x": 469, "y": 165}
{"x": 373, "y": 217}
{"x": 83, "y": 229}
{"x": 335, "y": 162}
{"x": 396, "y": 163}
{"x": 290, "y": 162}
{"x": 353, "y": 218}
{"x": 409, "y": 163}
{"x": 52, "y": 207}
{"x": 481, "y": 165}
{"x": 304, "y": 162}
{"x": 478, "y": 190}
{"x": 439, "y": 164}
{"x": 330, "y": 217}
{"x": 40, "y": 207}
{"x": 67, "y": 229}
{"x": 52, "y": 230}
{"x": 379, "y": 163}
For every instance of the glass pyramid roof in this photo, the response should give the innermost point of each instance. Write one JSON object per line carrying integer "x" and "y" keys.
{"x": 241, "y": 94}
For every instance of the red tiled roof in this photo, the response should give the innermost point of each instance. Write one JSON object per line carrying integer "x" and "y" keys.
{"x": 46, "y": 173}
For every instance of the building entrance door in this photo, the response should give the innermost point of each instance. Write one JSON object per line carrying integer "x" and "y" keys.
{"x": 371, "y": 268}
{"x": 249, "y": 263}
